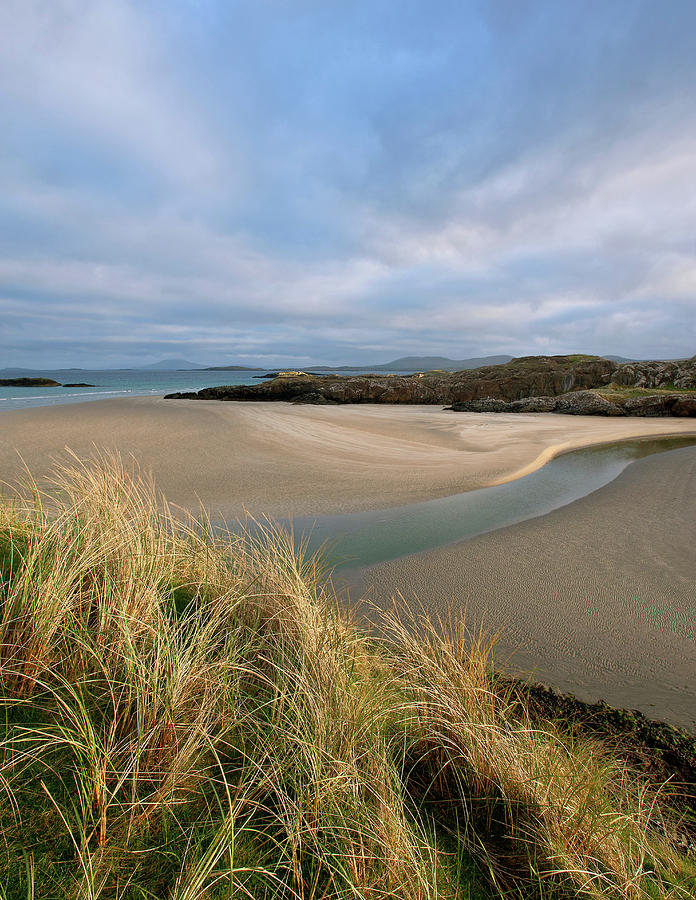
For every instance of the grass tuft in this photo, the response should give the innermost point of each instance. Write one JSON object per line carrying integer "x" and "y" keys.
{"x": 186, "y": 715}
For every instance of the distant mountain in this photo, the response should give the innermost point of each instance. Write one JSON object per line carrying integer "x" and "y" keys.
{"x": 427, "y": 363}
{"x": 417, "y": 364}
{"x": 232, "y": 369}
{"x": 172, "y": 365}
{"x": 618, "y": 359}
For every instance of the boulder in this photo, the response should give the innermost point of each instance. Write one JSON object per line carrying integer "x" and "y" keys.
{"x": 684, "y": 406}
{"x": 586, "y": 403}
{"x": 661, "y": 405}
{"x": 534, "y": 404}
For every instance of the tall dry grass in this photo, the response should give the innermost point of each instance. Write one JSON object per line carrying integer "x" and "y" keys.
{"x": 193, "y": 715}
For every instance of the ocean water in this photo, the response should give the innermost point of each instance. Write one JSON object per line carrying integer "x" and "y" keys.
{"x": 112, "y": 383}
{"x": 115, "y": 383}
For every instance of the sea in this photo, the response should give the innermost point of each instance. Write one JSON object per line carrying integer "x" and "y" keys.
{"x": 109, "y": 383}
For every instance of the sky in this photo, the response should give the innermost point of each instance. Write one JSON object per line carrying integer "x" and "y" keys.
{"x": 345, "y": 181}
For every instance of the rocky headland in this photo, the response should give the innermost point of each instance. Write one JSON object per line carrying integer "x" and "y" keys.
{"x": 580, "y": 385}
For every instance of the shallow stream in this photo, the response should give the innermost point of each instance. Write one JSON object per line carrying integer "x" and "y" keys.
{"x": 355, "y": 540}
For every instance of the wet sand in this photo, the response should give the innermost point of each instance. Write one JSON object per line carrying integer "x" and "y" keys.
{"x": 284, "y": 460}
{"x": 597, "y": 598}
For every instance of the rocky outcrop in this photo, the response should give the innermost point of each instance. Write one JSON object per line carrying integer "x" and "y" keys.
{"x": 680, "y": 374}
{"x": 533, "y": 376}
{"x": 589, "y": 403}
{"x": 565, "y": 384}
{"x": 28, "y": 382}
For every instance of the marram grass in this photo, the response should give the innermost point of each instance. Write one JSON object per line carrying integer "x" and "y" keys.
{"x": 187, "y": 716}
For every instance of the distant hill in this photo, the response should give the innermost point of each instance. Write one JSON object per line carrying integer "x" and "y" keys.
{"x": 420, "y": 364}
{"x": 427, "y": 363}
{"x": 233, "y": 369}
{"x": 172, "y": 365}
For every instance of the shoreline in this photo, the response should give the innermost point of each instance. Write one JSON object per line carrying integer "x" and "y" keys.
{"x": 552, "y": 453}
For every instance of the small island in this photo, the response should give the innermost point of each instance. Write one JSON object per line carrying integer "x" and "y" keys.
{"x": 28, "y": 382}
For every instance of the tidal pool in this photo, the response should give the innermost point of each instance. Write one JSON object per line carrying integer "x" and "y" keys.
{"x": 356, "y": 540}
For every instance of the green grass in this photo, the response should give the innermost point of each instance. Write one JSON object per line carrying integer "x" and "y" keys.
{"x": 187, "y": 716}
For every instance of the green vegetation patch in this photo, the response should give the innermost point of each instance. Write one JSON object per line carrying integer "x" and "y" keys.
{"x": 617, "y": 392}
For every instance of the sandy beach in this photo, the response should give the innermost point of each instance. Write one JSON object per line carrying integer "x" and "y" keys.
{"x": 284, "y": 460}
{"x": 597, "y": 597}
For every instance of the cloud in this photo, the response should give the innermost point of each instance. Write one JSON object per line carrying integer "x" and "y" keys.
{"x": 339, "y": 180}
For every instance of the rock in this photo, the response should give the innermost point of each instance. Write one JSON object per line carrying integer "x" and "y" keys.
{"x": 661, "y": 405}
{"x": 315, "y": 398}
{"x": 658, "y": 374}
{"x": 485, "y": 405}
{"x": 534, "y": 404}
{"x": 684, "y": 406}
{"x": 586, "y": 403}
{"x": 653, "y": 405}
{"x": 575, "y": 403}
{"x": 79, "y": 384}
{"x": 28, "y": 382}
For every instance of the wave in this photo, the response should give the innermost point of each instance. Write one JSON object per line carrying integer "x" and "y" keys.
{"x": 80, "y": 394}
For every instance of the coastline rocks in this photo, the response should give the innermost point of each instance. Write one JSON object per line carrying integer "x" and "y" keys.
{"x": 660, "y": 405}
{"x": 588, "y": 403}
{"x": 679, "y": 374}
{"x": 530, "y": 376}
{"x": 576, "y": 403}
{"x": 527, "y": 405}
{"x": 314, "y": 397}
{"x": 573, "y": 385}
